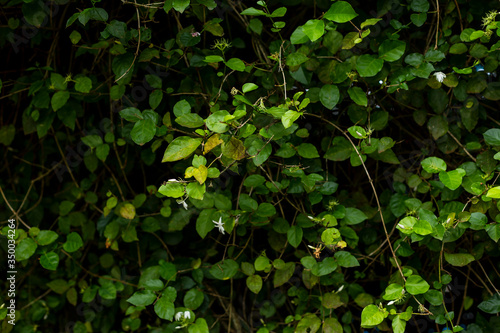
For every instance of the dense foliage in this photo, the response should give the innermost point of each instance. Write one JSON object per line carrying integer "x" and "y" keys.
{"x": 251, "y": 166}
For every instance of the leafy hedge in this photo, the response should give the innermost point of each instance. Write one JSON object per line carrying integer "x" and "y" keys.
{"x": 230, "y": 166}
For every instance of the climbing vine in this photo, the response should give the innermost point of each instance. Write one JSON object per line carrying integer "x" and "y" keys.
{"x": 250, "y": 166}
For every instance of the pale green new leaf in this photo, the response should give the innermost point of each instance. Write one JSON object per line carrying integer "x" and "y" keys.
{"x": 180, "y": 148}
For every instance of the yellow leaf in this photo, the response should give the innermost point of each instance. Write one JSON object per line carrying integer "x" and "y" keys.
{"x": 127, "y": 211}
{"x": 200, "y": 174}
{"x": 212, "y": 142}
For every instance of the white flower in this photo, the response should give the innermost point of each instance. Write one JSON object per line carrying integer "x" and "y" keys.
{"x": 401, "y": 226}
{"x": 187, "y": 315}
{"x": 440, "y": 76}
{"x": 311, "y": 218}
{"x": 178, "y": 316}
{"x": 219, "y": 224}
{"x": 173, "y": 180}
{"x": 391, "y": 302}
{"x": 178, "y": 327}
{"x": 341, "y": 288}
{"x": 183, "y": 203}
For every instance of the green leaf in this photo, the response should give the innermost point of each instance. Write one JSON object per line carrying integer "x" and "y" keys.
{"x": 224, "y": 270}
{"x": 307, "y": 150}
{"x": 144, "y": 131}
{"x": 358, "y": 96}
{"x": 59, "y": 286}
{"x": 234, "y": 149}
{"x": 458, "y": 48}
{"x": 371, "y": 316}
{"x": 330, "y": 235}
{"x": 204, "y": 222}
{"x": 253, "y": 12}
{"x": 7, "y": 134}
{"x": 83, "y": 84}
{"x": 418, "y": 19}
{"x": 49, "y": 260}
{"x": 493, "y": 231}
{"x": 216, "y": 123}
{"x": 357, "y": 132}
{"x": 391, "y": 50}
{"x": 435, "y": 297}
{"x": 340, "y": 12}
{"x": 368, "y": 66}
{"x": 354, "y": 216}
{"x": 492, "y": 137}
{"x": 180, "y": 148}
{"x": 345, "y": 259}
{"x": 196, "y": 190}
{"x": 131, "y": 114}
{"x": 102, "y": 151}
{"x": 339, "y": 150}
{"x": 314, "y": 29}
{"x": 182, "y": 107}
{"x": 193, "y": 299}
{"x": 415, "y": 285}
{"x": 296, "y": 59}
{"x": 434, "y": 56}
{"x": 398, "y": 325}
{"x": 298, "y": 36}
{"x": 35, "y": 12}
{"x": 452, "y": 179}
{"x": 107, "y": 290}
{"x": 280, "y": 12}
{"x": 247, "y": 87}
{"x": 422, "y": 227}
{"x": 92, "y": 141}
{"x": 254, "y": 181}
{"x": 282, "y": 276}
{"x": 459, "y": 259}
{"x": 236, "y": 64}
{"x": 329, "y": 96}
{"x": 433, "y": 165}
{"x": 200, "y": 326}
{"x": 155, "y": 98}
{"x": 492, "y": 305}
{"x": 59, "y": 99}
{"x": 180, "y": 5}
{"x": 265, "y": 210}
{"x": 294, "y": 235}
{"x": 142, "y": 298}
{"x": 25, "y": 249}
{"x": 173, "y": 190}
{"x": 190, "y": 120}
{"x": 73, "y": 242}
{"x": 289, "y": 117}
{"x": 420, "y": 5}
{"x": 164, "y": 308}
{"x": 254, "y": 283}
{"x": 46, "y": 237}
{"x": 393, "y": 291}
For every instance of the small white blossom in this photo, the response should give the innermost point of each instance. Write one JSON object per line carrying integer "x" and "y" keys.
{"x": 311, "y": 218}
{"x": 341, "y": 288}
{"x": 178, "y": 316}
{"x": 183, "y": 203}
{"x": 440, "y": 76}
{"x": 187, "y": 315}
{"x": 219, "y": 224}
{"x": 195, "y": 34}
{"x": 401, "y": 226}
{"x": 391, "y": 302}
{"x": 172, "y": 180}
{"x": 178, "y": 327}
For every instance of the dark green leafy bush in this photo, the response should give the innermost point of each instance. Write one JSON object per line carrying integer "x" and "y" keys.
{"x": 230, "y": 166}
